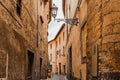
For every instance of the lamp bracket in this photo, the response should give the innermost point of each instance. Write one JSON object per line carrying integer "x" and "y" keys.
{"x": 71, "y": 21}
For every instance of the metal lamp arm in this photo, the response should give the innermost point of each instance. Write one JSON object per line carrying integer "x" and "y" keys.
{"x": 72, "y": 21}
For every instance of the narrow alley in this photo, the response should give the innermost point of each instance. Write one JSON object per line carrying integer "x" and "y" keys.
{"x": 59, "y": 39}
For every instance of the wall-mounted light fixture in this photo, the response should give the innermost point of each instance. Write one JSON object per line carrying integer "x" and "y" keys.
{"x": 71, "y": 21}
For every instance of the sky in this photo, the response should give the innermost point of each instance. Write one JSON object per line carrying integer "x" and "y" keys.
{"x": 54, "y": 26}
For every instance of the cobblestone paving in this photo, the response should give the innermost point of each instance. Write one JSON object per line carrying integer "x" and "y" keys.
{"x": 57, "y": 77}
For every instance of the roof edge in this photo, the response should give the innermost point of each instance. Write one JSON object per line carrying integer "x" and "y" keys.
{"x": 57, "y": 33}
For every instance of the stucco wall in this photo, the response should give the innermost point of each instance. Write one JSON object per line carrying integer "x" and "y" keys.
{"x": 58, "y": 58}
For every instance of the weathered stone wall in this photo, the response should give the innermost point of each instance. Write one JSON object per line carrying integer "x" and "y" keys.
{"x": 13, "y": 45}
{"x": 94, "y": 26}
{"x": 103, "y": 30}
{"x": 111, "y": 35}
{"x": 23, "y": 23}
{"x": 18, "y": 34}
{"x": 44, "y": 18}
{"x": 99, "y": 39}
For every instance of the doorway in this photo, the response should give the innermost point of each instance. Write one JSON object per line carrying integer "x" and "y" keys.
{"x": 59, "y": 68}
{"x": 70, "y": 63}
{"x": 30, "y": 65}
{"x": 64, "y": 68}
{"x": 41, "y": 67}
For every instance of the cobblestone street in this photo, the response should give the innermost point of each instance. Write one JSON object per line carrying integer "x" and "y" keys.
{"x": 58, "y": 77}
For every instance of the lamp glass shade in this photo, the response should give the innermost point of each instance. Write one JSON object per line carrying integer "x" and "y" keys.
{"x": 54, "y": 10}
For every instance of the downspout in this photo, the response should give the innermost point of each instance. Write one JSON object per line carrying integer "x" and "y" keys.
{"x": 79, "y": 3}
{"x": 37, "y": 25}
{"x": 37, "y": 45}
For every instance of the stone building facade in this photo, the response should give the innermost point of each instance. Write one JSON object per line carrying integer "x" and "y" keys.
{"x": 92, "y": 46}
{"x": 103, "y": 38}
{"x": 56, "y": 51}
{"x": 73, "y": 40}
{"x": 23, "y": 40}
{"x": 44, "y": 15}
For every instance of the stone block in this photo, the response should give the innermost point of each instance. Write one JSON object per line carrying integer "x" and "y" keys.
{"x": 107, "y": 20}
{"x": 115, "y": 5}
{"x": 111, "y": 38}
{"x": 117, "y": 46}
{"x": 116, "y": 29}
{"x": 107, "y": 30}
{"x": 106, "y": 7}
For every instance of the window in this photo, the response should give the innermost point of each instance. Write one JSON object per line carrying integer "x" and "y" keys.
{"x": 47, "y": 16}
{"x": 45, "y": 0}
{"x": 50, "y": 46}
{"x": 63, "y": 51}
{"x": 50, "y": 57}
{"x": 59, "y": 40}
{"x": 30, "y": 64}
{"x": 18, "y": 7}
{"x": 56, "y": 43}
{"x": 59, "y": 53}
{"x": 40, "y": 2}
{"x": 63, "y": 36}
{"x": 64, "y": 3}
{"x": 41, "y": 61}
{"x": 41, "y": 19}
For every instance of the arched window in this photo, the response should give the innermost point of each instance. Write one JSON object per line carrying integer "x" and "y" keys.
{"x": 18, "y": 7}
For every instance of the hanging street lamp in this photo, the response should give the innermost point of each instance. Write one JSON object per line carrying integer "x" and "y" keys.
{"x": 71, "y": 21}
